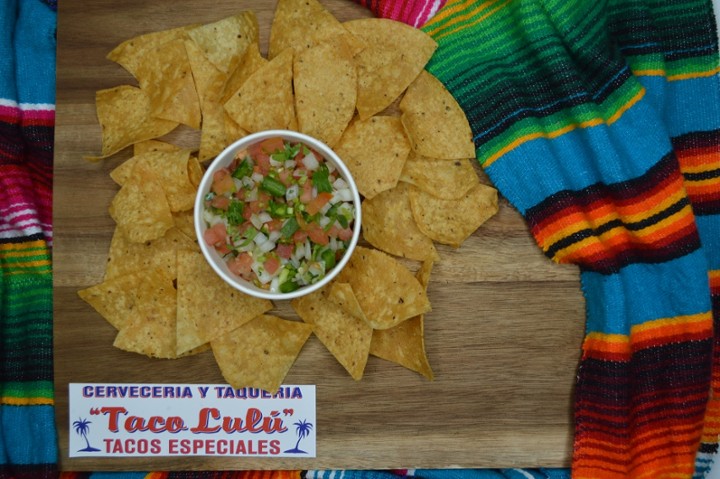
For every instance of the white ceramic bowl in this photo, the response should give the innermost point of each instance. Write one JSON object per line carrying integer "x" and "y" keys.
{"x": 224, "y": 159}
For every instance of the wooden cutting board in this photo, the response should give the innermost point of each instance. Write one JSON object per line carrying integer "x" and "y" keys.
{"x": 503, "y": 337}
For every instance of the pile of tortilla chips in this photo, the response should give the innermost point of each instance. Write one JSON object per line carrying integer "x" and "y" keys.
{"x": 359, "y": 86}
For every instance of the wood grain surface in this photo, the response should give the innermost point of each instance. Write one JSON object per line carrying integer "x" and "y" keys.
{"x": 503, "y": 337}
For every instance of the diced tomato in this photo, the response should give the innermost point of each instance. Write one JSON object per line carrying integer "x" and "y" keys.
{"x": 306, "y": 195}
{"x": 275, "y": 224}
{"x": 271, "y": 264}
{"x": 285, "y": 177}
{"x": 263, "y": 198}
{"x": 262, "y": 159}
{"x": 341, "y": 233}
{"x": 241, "y": 265}
{"x": 271, "y": 145}
{"x": 345, "y": 234}
{"x": 240, "y": 194}
{"x": 299, "y": 236}
{"x": 318, "y": 202}
{"x": 216, "y": 235}
{"x": 318, "y": 235}
{"x": 220, "y": 201}
{"x": 223, "y": 182}
{"x": 284, "y": 250}
{"x": 252, "y": 207}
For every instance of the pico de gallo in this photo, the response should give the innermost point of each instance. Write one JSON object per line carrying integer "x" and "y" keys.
{"x": 279, "y": 214}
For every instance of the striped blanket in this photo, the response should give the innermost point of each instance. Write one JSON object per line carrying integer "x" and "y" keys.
{"x": 598, "y": 121}
{"x": 27, "y": 96}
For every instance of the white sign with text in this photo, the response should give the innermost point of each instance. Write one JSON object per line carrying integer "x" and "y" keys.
{"x": 141, "y": 420}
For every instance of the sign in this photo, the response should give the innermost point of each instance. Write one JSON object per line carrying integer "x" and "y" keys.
{"x": 141, "y": 420}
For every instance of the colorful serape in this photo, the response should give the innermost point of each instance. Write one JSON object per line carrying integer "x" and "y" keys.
{"x": 28, "y": 446}
{"x": 600, "y": 122}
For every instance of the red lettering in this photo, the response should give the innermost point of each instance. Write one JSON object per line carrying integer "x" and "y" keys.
{"x": 203, "y": 425}
{"x": 114, "y": 412}
{"x": 262, "y": 447}
{"x": 197, "y": 445}
{"x": 222, "y": 447}
{"x": 253, "y": 418}
{"x": 274, "y": 446}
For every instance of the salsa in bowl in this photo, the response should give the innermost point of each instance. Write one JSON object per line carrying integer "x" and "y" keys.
{"x": 277, "y": 214}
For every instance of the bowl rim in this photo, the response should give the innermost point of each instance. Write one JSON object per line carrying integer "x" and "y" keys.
{"x": 225, "y": 156}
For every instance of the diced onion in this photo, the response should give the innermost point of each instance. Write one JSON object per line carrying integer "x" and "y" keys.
{"x": 292, "y": 193}
{"x": 255, "y": 220}
{"x": 260, "y": 238}
{"x": 311, "y": 163}
{"x": 264, "y": 217}
{"x": 324, "y": 221}
{"x": 344, "y": 194}
{"x": 275, "y": 285}
{"x": 266, "y": 247}
{"x": 339, "y": 184}
{"x": 257, "y": 177}
{"x": 290, "y": 164}
{"x": 316, "y": 269}
{"x": 274, "y": 236}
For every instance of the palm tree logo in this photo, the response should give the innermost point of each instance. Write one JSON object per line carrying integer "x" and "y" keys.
{"x": 302, "y": 429}
{"x": 82, "y": 427}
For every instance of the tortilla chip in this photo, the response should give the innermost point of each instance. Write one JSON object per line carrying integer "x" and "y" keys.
{"x": 343, "y": 295}
{"x": 185, "y": 222}
{"x": 435, "y": 123}
{"x": 207, "y": 306}
{"x": 152, "y": 145}
{"x": 265, "y": 100}
{"x": 124, "y": 115}
{"x": 115, "y": 299}
{"x": 130, "y": 53}
{"x": 250, "y": 62}
{"x": 213, "y": 138}
{"x": 387, "y": 291}
{"x": 223, "y": 42}
{"x": 150, "y": 329}
{"x": 388, "y": 224}
{"x": 345, "y": 336}
{"x": 405, "y": 343}
{"x": 447, "y": 179}
{"x": 260, "y": 353}
{"x": 195, "y": 171}
{"x": 165, "y": 74}
{"x": 301, "y": 24}
{"x": 395, "y": 55}
{"x": 233, "y": 132}
{"x": 140, "y": 208}
{"x": 172, "y": 171}
{"x": 127, "y": 257}
{"x": 375, "y": 151}
{"x": 209, "y": 79}
{"x": 325, "y": 80}
{"x": 209, "y": 82}
{"x": 452, "y": 221}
